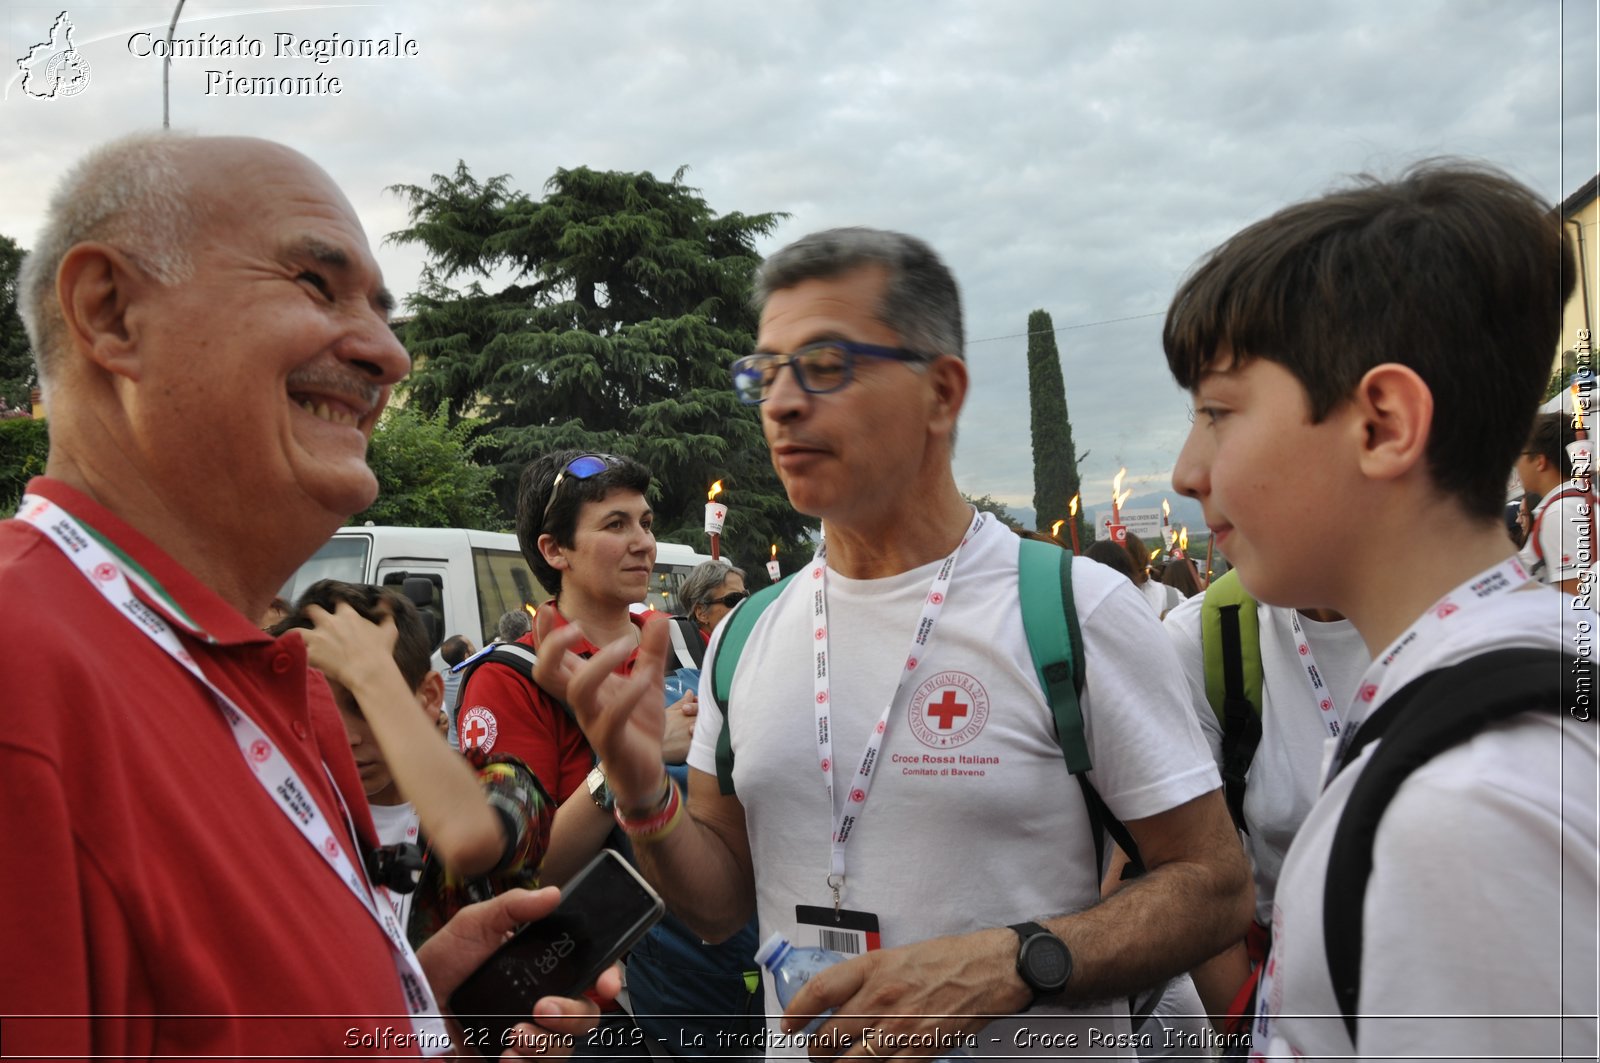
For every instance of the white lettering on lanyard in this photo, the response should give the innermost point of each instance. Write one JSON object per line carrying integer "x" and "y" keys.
{"x": 849, "y": 815}
{"x": 271, "y": 769}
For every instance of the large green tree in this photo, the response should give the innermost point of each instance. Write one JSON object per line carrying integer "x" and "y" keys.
{"x": 627, "y": 298}
{"x": 1055, "y": 459}
{"x": 16, "y": 364}
{"x": 427, "y": 477}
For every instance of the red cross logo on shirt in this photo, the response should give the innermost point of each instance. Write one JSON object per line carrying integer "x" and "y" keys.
{"x": 947, "y": 709}
{"x": 478, "y": 729}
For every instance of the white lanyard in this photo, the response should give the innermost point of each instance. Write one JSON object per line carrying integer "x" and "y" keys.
{"x": 856, "y": 799}
{"x": 90, "y": 553}
{"x": 1319, "y": 687}
{"x": 1379, "y": 679}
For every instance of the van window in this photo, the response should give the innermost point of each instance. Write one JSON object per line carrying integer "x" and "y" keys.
{"x": 344, "y": 557}
{"x": 505, "y": 582}
{"x": 665, "y": 582}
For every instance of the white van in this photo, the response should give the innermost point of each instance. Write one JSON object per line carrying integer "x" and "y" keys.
{"x": 464, "y": 579}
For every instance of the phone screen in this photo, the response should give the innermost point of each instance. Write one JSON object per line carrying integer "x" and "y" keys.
{"x": 604, "y": 911}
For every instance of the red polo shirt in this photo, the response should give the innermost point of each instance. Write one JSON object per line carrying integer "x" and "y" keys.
{"x": 154, "y": 895}
{"x": 503, "y": 713}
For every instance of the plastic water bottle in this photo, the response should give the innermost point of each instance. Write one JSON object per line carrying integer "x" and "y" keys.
{"x": 792, "y": 966}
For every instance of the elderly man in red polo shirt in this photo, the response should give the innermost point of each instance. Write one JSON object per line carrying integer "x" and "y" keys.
{"x": 211, "y": 331}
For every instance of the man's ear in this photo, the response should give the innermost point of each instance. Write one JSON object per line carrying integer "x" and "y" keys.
{"x": 97, "y": 286}
{"x": 430, "y": 693}
{"x": 552, "y": 552}
{"x": 948, "y": 375}
{"x": 1394, "y": 409}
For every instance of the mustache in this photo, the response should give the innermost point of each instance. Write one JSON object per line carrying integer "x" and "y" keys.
{"x": 334, "y": 381}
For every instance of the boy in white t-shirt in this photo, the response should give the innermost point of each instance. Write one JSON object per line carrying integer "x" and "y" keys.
{"x": 1365, "y": 367}
{"x": 1560, "y": 549}
{"x": 475, "y": 833}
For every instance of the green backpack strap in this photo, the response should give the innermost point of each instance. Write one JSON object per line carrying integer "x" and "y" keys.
{"x": 1230, "y": 640}
{"x": 735, "y": 632}
{"x": 1044, "y": 573}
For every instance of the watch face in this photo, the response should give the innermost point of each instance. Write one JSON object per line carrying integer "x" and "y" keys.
{"x": 1048, "y": 963}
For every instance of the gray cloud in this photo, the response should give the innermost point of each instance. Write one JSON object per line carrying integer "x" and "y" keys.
{"x": 1075, "y": 157}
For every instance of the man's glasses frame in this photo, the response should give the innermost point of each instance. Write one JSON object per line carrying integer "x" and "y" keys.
{"x": 582, "y": 467}
{"x": 749, "y": 370}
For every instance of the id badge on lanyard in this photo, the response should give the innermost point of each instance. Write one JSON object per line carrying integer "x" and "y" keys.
{"x": 95, "y": 561}
{"x": 855, "y": 798}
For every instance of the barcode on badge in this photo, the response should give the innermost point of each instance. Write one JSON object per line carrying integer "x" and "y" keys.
{"x": 849, "y": 942}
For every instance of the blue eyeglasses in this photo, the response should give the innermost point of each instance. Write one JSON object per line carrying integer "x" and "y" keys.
{"x": 819, "y": 367}
{"x": 582, "y": 467}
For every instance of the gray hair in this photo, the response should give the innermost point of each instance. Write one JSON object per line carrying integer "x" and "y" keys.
{"x": 706, "y": 577}
{"x": 921, "y": 301}
{"x": 514, "y": 623}
{"x": 129, "y": 193}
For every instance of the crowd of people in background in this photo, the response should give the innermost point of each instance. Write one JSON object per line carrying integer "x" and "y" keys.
{"x": 1337, "y": 803}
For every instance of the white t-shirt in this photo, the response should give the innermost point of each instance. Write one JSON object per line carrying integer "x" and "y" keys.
{"x": 1160, "y": 596}
{"x": 1561, "y": 526}
{"x": 973, "y": 826}
{"x": 1285, "y": 776}
{"x": 396, "y": 824}
{"x": 1483, "y": 894}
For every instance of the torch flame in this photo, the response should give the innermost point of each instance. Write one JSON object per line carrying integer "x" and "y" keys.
{"x": 1055, "y": 529}
{"x": 1183, "y": 539}
{"x": 531, "y": 610}
{"x": 1072, "y": 508}
{"x": 774, "y": 551}
{"x": 1166, "y": 510}
{"x": 1116, "y": 484}
{"x": 716, "y": 489}
{"x": 1577, "y": 410}
{"x": 1155, "y": 553}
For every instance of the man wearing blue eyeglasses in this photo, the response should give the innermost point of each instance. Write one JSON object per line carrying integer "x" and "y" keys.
{"x": 896, "y": 788}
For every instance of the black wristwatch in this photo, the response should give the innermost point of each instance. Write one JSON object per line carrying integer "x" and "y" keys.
{"x": 1043, "y": 960}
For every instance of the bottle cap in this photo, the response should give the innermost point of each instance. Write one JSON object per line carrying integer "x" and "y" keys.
{"x": 770, "y": 949}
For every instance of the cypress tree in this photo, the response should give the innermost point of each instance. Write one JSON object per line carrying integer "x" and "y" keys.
{"x": 1055, "y": 459}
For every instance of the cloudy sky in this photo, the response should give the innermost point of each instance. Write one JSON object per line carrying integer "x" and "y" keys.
{"x": 1061, "y": 154}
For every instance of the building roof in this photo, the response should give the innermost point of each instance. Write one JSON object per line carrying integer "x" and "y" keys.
{"x": 1581, "y": 198}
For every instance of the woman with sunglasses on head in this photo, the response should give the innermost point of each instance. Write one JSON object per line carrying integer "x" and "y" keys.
{"x": 585, "y": 527}
{"x": 710, "y": 593}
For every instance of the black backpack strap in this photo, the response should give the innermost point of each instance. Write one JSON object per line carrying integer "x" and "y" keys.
{"x": 1426, "y": 717}
{"x": 1241, "y": 723}
{"x": 513, "y": 655}
{"x": 687, "y": 646}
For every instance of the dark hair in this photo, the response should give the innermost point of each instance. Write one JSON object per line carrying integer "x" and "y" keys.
{"x": 1454, "y": 270}
{"x": 533, "y": 498}
{"x": 1180, "y": 574}
{"x": 455, "y": 649}
{"x": 1109, "y": 553}
{"x": 412, "y": 649}
{"x": 921, "y": 300}
{"x": 1139, "y": 557}
{"x": 1549, "y": 438}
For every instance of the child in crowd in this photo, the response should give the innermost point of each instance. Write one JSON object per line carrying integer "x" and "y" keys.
{"x": 477, "y": 836}
{"x": 1365, "y": 368}
{"x": 1559, "y": 548}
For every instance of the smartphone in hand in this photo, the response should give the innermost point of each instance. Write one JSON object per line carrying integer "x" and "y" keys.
{"x": 604, "y": 910}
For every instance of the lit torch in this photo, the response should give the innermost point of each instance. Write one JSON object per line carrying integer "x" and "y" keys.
{"x": 716, "y": 513}
{"x": 1072, "y": 512}
{"x": 1166, "y": 524}
{"x": 1118, "y": 533}
{"x": 772, "y": 565}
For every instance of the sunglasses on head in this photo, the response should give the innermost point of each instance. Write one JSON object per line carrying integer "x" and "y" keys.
{"x": 731, "y": 599}
{"x": 582, "y": 467}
